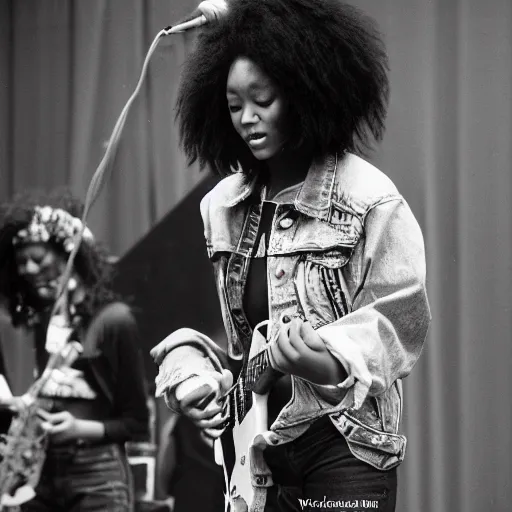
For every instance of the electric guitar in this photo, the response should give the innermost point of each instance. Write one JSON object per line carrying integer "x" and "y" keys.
{"x": 248, "y": 418}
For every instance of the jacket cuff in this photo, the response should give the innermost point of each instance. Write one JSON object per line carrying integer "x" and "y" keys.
{"x": 184, "y": 354}
{"x": 349, "y": 354}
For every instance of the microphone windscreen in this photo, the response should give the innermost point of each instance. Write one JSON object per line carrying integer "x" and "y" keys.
{"x": 213, "y": 9}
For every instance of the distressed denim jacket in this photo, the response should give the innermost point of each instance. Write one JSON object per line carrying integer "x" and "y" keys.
{"x": 350, "y": 258}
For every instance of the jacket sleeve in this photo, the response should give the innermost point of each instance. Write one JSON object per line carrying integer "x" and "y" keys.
{"x": 390, "y": 314}
{"x": 183, "y": 354}
{"x": 121, "y": 344}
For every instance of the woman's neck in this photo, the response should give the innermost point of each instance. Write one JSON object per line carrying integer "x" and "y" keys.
{"x": 285, "y": 170}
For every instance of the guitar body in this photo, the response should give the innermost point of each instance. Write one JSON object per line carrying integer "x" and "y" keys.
{"x": 241, "y": 493}
{"x": 249, "y": 418}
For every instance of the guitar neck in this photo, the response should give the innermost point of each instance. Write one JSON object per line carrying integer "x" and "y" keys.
{"x": 259, "y": 375}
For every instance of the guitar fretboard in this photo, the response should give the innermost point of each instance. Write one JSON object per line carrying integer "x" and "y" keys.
{"x": 256, "y": 376}
{"x": 256, "y": 367}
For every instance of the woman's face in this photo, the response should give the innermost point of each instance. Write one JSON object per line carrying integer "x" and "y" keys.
{"x": 257, "y": 108}
{"x": 39, "y": 265}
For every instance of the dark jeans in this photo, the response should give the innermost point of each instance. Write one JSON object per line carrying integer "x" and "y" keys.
{"x": 84, "y": 478}
{"x": 318, "y": 471}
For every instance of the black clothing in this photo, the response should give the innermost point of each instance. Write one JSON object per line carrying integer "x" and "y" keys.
{"x": 255, "y": 302}
{"x": 197, "y": 481}
{"x": 112, "y": 368}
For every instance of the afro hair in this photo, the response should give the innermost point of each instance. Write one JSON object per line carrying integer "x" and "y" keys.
{"x": 326, "y": 57}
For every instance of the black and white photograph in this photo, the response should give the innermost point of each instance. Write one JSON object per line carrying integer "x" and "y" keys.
{"x": 255, "y": 255}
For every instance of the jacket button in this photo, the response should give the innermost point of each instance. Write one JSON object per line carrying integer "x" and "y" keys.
{"x": 280, "y": 273}
{"x": 286, "y": 223}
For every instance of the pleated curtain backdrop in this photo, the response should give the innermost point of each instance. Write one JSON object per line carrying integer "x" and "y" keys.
{"x": 67, "y": 67}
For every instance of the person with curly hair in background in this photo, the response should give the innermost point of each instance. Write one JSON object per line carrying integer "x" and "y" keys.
{"x": 310, "y": 243}
{"x": 98, "y": 403}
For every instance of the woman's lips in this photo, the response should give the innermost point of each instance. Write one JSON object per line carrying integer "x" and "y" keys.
{"x": 45, "y": 284}
{"x": 256, "y": 140}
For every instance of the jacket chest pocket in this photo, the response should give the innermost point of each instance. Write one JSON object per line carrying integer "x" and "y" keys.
{"x": 320, "y": 285}
{"x": 332, "y": 259}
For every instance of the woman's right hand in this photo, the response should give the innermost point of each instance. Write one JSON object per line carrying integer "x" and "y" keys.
{"x": 202, "y": 399}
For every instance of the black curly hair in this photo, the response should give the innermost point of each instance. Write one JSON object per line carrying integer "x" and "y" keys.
{"x": 326, "y": 57}
{"x": 91, "y": 262}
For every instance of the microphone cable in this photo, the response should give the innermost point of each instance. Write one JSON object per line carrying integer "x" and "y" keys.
{"x": 101, "y": 172}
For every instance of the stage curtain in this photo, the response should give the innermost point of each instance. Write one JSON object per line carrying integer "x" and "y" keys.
{"x": 67, "y": 69}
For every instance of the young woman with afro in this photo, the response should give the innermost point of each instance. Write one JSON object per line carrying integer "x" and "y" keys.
{"x": 311, "y": 246}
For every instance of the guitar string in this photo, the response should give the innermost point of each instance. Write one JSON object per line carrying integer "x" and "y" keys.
{"x": 263, "y": 364}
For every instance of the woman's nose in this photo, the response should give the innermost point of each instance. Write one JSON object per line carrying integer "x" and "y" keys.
{"x": 248, "y": 115}
{"x": 29, "y": 268}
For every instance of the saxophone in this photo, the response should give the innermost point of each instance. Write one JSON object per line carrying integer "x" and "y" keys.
{"x": 23, "y": 448}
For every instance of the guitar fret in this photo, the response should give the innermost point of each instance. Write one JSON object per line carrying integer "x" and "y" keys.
{"x": 241, "y": 394}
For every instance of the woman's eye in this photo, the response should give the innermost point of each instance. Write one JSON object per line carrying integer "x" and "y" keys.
{"x": 265, "y": 103}
{"x": 234, "y": 108}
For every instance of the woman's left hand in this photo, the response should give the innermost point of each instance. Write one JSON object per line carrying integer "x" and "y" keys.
{"x": 300, "y": 351}
{"x": 61, "y": 426}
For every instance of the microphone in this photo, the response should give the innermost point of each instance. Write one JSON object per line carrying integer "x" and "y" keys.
{"x": 206, "y": 12}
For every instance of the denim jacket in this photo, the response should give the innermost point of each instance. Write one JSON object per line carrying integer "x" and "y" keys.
{"x": 350, "y": 258}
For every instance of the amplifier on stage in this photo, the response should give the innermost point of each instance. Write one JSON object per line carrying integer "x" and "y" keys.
{"x": 142, "y": 457}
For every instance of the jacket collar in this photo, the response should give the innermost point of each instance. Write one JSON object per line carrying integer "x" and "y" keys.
{"x": 314, "y": 196}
